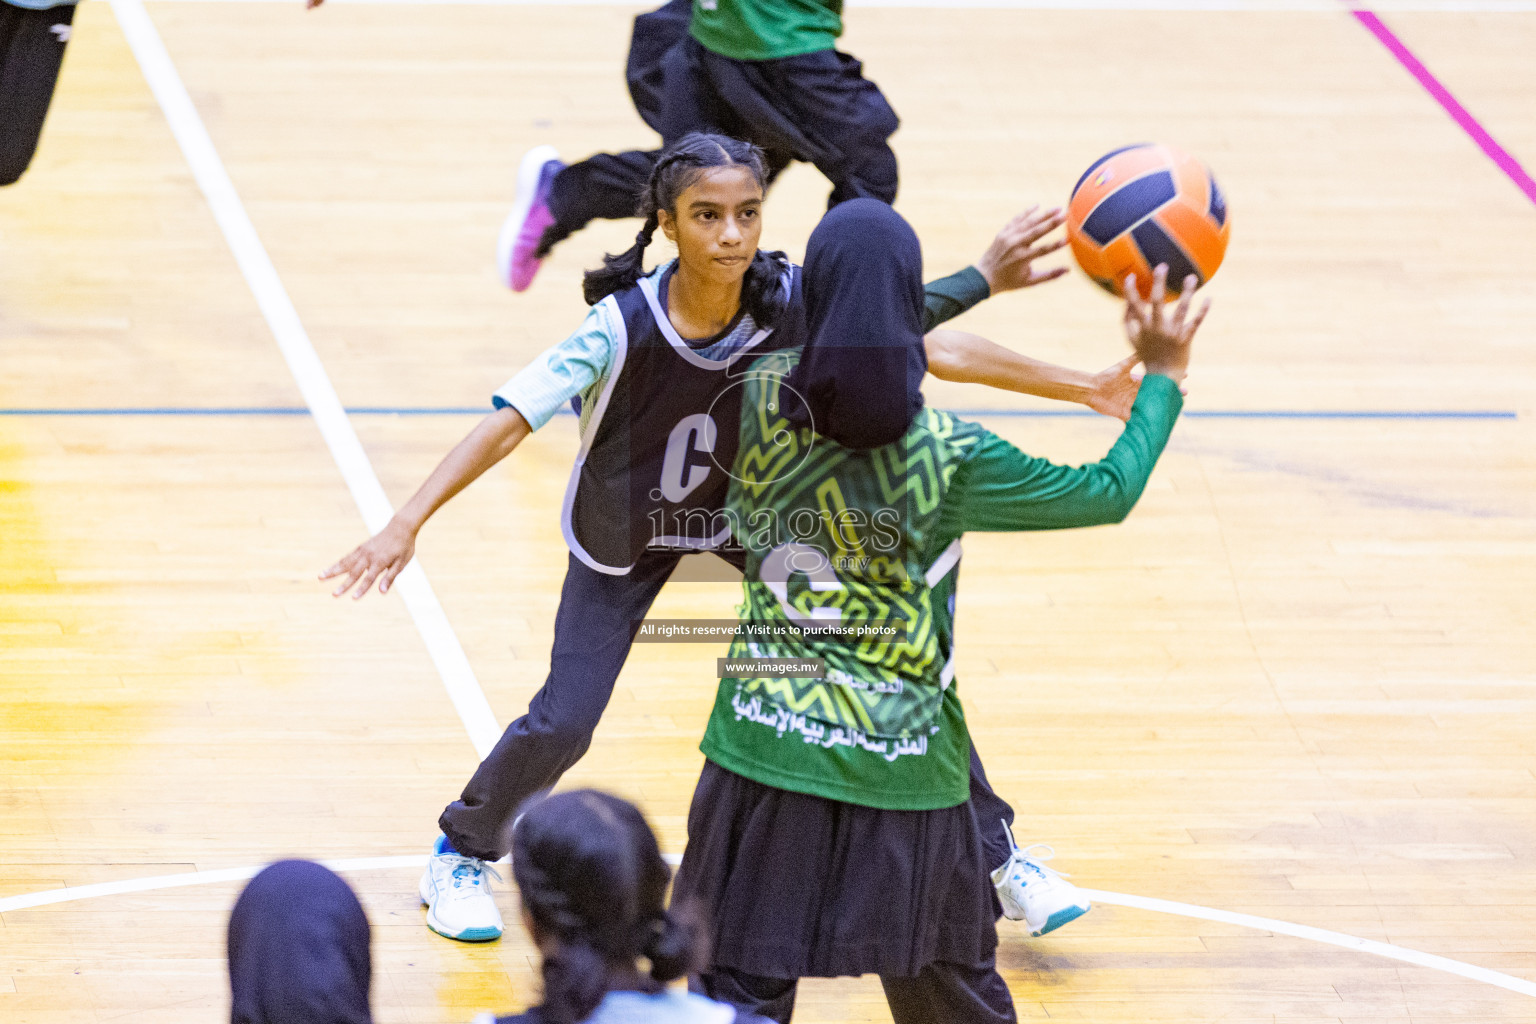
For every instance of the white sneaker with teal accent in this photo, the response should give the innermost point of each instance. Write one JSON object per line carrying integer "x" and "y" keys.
{"x": 1037, "y": 895}
{"x": 458, "y": 896}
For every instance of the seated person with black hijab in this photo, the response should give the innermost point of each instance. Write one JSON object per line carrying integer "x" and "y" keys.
{"x": 593, "y": 887}
{"x": 299, "y": 949}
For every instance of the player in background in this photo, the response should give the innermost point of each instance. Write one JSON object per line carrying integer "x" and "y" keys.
{"x": 652, "y": 363}
{"x": 833, "y": 830}
{"x": 33, "y": 34}
{"x": 766, "y": 71}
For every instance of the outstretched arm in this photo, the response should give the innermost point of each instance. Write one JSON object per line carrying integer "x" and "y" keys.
{"x": 1001, "y": 488}
{"x": 1007, "y": 265}
{"x": 971, "y": 359}
{"x": 388, "y": 552}
{"x": 523, "y": 404}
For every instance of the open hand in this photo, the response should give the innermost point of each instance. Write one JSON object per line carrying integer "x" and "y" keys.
{"x": 383, "y": 558}
{"x": 1162, "y": 342}
{"x": 1008, "y": 262}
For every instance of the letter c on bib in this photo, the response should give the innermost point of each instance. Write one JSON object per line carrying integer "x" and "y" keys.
{"x": 786, "y": 560}
{"x": 681, "y": 471}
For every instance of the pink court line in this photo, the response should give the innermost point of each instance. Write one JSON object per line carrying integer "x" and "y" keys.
{"x": 1469, "y": 124}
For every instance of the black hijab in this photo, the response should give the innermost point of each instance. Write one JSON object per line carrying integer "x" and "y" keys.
{"x": 298, "y": 949}
{"x": 862, "y": 370}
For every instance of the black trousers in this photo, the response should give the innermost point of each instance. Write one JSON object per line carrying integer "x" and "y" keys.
{"x": 815, "y": 107}
{"x": 645, "y": 70}
{"x": 31, "y": 50}
{"x": 595, "y": 627}
{"x": 942, "y": 993}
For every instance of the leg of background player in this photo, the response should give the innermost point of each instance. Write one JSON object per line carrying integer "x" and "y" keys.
{"x": 554, "y": 201}
{"x": 645, "y": 73}
{"x": 594, "y": 629}
{"x": 952, "y": 994}
{"x": 818, "y": 106}
{"x": 607, "y": 186}
{"x": 777, "y": 161}
{"x": 31, "y": 50}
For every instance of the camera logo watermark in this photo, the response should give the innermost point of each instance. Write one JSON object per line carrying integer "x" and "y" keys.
{"x": 789, "y": 447}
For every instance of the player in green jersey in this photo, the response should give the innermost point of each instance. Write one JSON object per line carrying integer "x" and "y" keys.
{"x": 831, "y": 832}
{"x": 765, "y": 71}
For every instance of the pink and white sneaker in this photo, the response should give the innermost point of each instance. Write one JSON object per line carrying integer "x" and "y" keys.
{"x": 516, "y": 249}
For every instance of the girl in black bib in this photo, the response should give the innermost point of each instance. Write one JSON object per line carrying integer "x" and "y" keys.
{"x": 652, "y": 366}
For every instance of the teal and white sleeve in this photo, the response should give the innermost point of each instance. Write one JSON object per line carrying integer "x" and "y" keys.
{"x": 577, "y": 366}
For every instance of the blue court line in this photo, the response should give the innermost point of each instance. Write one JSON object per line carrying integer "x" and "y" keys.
{"x": 480, "y": 410}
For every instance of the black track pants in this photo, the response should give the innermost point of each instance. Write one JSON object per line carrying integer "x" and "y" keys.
{"x": 31, "y": 50}
{"x": 594, "y": 629}
{"x": 815, "y": 107}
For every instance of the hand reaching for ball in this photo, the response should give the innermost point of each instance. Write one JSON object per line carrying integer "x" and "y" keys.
{"x": 1009, "y": 262}
{"x": 1160, "y": 340}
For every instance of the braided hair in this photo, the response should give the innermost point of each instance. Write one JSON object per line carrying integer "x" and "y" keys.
{"x": 591, "y": 876}
{"x": 679, "y": 167}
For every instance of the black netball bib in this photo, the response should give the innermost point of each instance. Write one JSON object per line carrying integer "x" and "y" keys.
{"x": 654, "y": 460}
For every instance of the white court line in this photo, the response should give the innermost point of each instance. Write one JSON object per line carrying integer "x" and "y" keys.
{"x": 459, "y": 679}
{"x": 308, "y": 372}
{"x": 86, "y": 892}
{"x": 1385, "y": 6}
{"x": 1264, "y": 924}
{"x": 1302, "y": 931}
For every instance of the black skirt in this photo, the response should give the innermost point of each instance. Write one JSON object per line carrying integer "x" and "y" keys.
{"x": 797, "y": 886}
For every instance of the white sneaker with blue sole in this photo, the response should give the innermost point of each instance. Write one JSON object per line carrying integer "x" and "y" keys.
{"x": 458, "y": 896}
{"x": 1037, "y": 895}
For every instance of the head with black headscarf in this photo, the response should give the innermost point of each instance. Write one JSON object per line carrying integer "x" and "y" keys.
{"x": 299, "y": 949}
{"x": 862, "y": 370}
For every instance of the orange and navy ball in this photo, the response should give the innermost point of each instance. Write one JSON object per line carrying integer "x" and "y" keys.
{"x": 1143, "y": 205}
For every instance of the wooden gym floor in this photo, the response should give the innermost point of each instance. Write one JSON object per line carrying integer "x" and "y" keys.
{"x": 1296, "y": 684}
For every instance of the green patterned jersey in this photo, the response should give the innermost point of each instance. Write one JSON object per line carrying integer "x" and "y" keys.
{"x": 849, "y": 540}
{"x": 836, "y": 537}
{"x": 868, "y": 543}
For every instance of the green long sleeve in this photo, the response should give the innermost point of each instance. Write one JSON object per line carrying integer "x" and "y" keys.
{"x": 950, "y": 296}
{"x": 1001, "y": 488}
